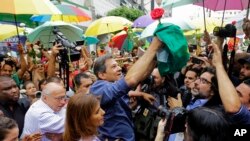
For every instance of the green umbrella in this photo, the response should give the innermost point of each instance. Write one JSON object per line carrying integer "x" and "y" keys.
{"x": 45, "y": 33}
{"x": 22, "y": 18}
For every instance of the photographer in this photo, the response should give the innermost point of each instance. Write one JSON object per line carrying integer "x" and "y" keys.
{"x": 159, "y": 87}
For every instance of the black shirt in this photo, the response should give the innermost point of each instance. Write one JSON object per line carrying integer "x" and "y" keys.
{"x": 18, "y": 112}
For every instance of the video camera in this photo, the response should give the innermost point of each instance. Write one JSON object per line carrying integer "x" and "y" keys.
{"x": 175, "y": 119}
{"x": 228, "y": 31}
{"x": 68, "y": 46}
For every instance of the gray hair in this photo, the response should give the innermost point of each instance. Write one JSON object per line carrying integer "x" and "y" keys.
{"x": 51, "y": 87}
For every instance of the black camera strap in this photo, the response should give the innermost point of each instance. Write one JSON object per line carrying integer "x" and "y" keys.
{"x": 231, "y": 61}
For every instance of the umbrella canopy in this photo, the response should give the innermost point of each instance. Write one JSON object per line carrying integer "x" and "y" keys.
{"x": 21, "y": 18}
{"x": 44, "y": 33}
{"x": 7, "y": 31}
{"x": 69, "y": 14}
{"x": 121, "y": 40}
{"x": 90, "y": 40}
{"x": 218, "y": 5}
{"x": 149, "y": 30}
{"x": 107, "y": 25}
{"x": 211, "y": 23}
{"x": 28, "y": 7}
{"x": 143, "y": 21}
{"x": 176, "y": 3}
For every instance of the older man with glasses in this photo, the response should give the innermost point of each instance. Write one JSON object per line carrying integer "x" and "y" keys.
{"x": 47, "y": 115}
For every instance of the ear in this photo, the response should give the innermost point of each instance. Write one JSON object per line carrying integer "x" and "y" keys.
{"x": 102, "y": 75}
{"x": 44, "y": 97}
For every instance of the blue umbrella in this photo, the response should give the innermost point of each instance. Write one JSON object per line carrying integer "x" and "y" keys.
{"x": 90, "y": 40}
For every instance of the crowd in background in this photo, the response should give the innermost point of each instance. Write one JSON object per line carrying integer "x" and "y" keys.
{"x": 115, "y": 97}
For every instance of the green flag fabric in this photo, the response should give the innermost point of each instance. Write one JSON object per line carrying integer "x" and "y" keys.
{"x": 175, "y": 48}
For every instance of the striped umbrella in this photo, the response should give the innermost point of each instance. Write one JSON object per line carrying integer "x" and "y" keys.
{"x": 70, "y": 14}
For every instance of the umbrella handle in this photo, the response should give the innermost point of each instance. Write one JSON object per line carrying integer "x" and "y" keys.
{"x": 248, "y": 9}
{"x": 17, "y": 29}
{"x": 204, "y": 16}
{"x": 223, "y": 13}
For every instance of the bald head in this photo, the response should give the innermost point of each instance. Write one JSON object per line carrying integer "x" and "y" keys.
{"x": 53, "y": 95}
{"x": 51, "y": 87}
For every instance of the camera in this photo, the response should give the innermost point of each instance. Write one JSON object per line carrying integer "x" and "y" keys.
{"x": 38, "y": 94}
{"x": 147, "y": 84}
{"x": 196, "y": 61}
{"x": 228, "y": 31}
{"x": 175, "y": 119}
{"x": 69, "y": 47}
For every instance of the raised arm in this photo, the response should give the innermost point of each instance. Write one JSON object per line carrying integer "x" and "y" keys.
{"x": 144, "y": 66}
{"x": 227, "y": 91}
{"x": 52, "y": 61}
{"x": 23, "y": 65}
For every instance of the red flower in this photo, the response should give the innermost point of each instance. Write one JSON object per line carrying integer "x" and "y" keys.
{"x": 233, "y": 22}
{"x": 157, "y": 13}
{"x": 125, "y": 29}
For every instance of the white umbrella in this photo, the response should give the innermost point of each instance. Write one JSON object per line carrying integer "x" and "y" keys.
{"x": 44, "y": 33}
{"x": 149, "y": 30}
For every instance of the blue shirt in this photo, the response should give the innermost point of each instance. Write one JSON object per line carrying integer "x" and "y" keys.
{"x": 196, "y": 103}
{"x": 118, "y": 116}
{"x": 242, "y": 117}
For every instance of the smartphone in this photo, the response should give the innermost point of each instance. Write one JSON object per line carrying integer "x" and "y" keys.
{"x": 196, "y": 61}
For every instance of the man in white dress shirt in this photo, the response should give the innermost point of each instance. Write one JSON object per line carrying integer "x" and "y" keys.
{"x": 47, "y": 115}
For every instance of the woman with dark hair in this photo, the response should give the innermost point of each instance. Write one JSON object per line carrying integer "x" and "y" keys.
{"x": 84, "y": 115}
{"x": 202, "y": 124}
{"x": 8, "y": 129}
{"x": 214, "y": 124}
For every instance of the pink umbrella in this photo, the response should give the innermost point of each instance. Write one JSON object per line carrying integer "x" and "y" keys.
{"x": 217, "y": 5}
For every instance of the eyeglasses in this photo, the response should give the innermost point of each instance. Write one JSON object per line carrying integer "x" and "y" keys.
{"x": 65, "y": 97}
{"x": 204, "y": 81}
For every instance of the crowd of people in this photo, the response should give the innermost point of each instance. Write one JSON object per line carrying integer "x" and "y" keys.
{"x": 104, "y": 99}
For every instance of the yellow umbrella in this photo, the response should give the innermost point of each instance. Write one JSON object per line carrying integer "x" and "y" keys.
{"x": 199, "y": 24}
{"x": 27, "y": 7}
{"x": 107, "y": 25}
{"x": 7, "y": 31}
